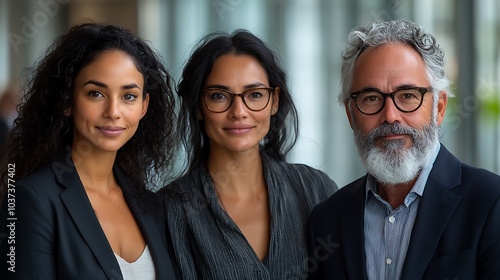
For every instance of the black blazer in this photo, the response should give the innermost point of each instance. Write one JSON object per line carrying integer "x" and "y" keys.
{"x": 456, "y": 234}
{"x": 57, "y": 235}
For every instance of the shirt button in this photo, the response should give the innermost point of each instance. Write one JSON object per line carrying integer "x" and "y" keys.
{"x": 388, "y": 261}
{"x": 392, "y": 219}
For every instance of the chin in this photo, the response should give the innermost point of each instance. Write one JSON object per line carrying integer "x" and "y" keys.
{"x": 110, "y": 147}
{"x": 242, "y": 148}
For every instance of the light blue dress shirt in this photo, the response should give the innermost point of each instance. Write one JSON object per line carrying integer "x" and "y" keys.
{"x": 387, "y": 231}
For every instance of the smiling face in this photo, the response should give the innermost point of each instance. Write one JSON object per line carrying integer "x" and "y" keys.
{"x": 238, "y": 129}
{"x": 108, "y": 102}
{"x": 394, "y": 145}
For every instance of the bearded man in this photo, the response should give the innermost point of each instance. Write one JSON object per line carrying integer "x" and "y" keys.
{"x": 419, "y": 213}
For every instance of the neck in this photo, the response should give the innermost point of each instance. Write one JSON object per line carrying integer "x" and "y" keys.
{"x": 95, "y": 170}
{"x": 395, "y": 194}
{"x": 237, "y": 173}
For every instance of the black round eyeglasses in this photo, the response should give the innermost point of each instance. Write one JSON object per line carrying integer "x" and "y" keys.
{"x": 371, "y": 101}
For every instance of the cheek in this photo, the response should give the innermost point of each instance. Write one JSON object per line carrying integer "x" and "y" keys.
{"x": 420, "y": 117}
{"x": 364, "y": 123}
{"x": 136, "y": 118}
{"x": 134, "y": 115}
{"x": 82, "y": 124}
{"x": 426, "y": 111}
{"x": 82, "y": 116}
{"x": 265, "y": 121}
{"x": 210, "y": 123}
{"x": 83, "y": 109}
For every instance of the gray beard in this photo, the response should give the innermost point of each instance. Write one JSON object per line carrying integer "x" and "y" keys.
{"x": 392, "y": 163}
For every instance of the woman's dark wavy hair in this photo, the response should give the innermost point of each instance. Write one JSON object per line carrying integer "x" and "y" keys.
{"x": 42, "y": 132}
{"x": 284, "y": 124}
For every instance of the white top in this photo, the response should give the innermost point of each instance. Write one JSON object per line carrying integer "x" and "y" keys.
{"x": 141, "y": 269}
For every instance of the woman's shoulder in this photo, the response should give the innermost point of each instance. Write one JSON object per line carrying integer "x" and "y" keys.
{"x": 58, "y": 169}
{"x": 186, "y": 186}
{"x": 304, "y": 172}
{"x": 42, "y": 175}
{"x": 40, "y": 184}
{"x": 305, "y": 179}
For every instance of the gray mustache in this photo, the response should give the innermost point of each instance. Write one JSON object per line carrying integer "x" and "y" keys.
{"x": 395, "y": 128}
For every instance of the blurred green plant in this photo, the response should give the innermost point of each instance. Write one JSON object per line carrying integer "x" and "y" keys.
{"x": 490, "y": 106}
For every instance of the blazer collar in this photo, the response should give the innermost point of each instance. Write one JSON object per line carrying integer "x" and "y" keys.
{"x": 78, "y": 205}
{"x": 352, "y": 231}
{"x": 435, "y": 209}
{"x": 79, "y": 208}
{"x": 149, "y": 227}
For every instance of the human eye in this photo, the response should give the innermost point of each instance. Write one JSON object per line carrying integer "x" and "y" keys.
{"x": 217, "y": 96}
{"x": 408, "y": 95}
{"x": 369, "y": 97}
{"x": 95, "y": 94}
{"x": 130, "y": 97}
{"x": 255, "y": 93}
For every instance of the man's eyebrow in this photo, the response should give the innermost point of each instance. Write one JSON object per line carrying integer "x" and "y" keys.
{"x": 406, "y": 86}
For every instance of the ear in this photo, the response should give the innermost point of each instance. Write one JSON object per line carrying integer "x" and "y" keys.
{"x": 348, "y": 112}
{"x": 441, "y": 106}
{"x": 276, "y": 100}
{"x": 145, "y": 104}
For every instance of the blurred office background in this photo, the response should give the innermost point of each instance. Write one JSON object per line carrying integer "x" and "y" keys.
{"x": 309, "y": 35}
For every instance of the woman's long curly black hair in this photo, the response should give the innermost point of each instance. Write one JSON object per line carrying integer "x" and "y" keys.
{"x": 42, "y": 132}
{"x": 283, "y": 130}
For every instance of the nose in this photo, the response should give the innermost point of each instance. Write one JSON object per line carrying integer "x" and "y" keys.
{"x": 112, "y": 109}
{"x": 238, "y": 109}
{"x": 390, "y": 113}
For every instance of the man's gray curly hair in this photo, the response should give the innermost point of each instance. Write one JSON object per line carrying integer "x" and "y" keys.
{"x": 397, "y": 31}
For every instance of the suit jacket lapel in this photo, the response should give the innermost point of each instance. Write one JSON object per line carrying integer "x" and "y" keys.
{"x": 352, "y": 221}
{"x": 435, "y": 209}
{"x": 79, "y": 208}
{"x": 149, "y": 228}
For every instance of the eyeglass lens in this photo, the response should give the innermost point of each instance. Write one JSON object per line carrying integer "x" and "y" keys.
{"x": 406, "y": 100}
{"x": 219, "y": 100}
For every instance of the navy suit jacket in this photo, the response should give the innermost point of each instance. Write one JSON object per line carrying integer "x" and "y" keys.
{"x": 456, "y": 234}
{"x": 57, "y": 235}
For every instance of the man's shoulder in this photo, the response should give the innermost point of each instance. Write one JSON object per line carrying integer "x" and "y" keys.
{"x": 480, "y": 181}
{"x": 353, "y": 187}
{"x": 344, "y": 195}
{"x": 463, "y": 178}
{"x": 478, "y": 188}
{"x": 479, "y": 174}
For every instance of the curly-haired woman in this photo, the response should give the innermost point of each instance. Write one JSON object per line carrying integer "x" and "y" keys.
{"x": 94, "y": 130}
